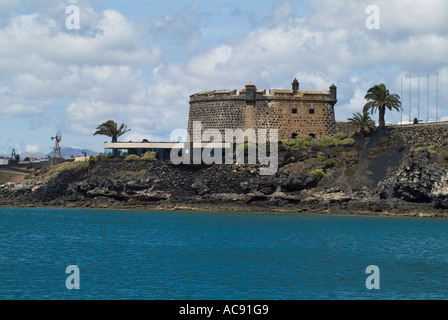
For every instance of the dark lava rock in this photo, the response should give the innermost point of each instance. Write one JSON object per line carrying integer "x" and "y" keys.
{"x": 417, "y": 180}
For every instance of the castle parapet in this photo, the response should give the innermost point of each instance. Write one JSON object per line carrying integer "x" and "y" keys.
{"x": 260, "y": 94}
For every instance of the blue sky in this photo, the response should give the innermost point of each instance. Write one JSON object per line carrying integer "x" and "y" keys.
{"x": 138, "y": 62}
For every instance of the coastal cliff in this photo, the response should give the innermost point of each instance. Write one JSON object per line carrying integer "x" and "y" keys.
{"x": 378, "y": 174}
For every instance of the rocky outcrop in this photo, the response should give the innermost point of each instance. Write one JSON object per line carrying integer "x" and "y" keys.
{"x": 147, "y": 181}
{"x": 297, "y": 182}
{"x": 418, "y": 180}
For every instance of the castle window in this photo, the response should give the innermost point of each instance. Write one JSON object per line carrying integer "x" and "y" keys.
{"x": 294, "y": 111}
{"x": 311, "y": 111}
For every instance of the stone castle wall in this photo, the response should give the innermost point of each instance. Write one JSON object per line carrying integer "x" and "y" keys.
{"x": 347, "y": 128}
{"x": 422, "y": 135}
{"x": 292, "y": 112}
{"x": 412, "y": 135}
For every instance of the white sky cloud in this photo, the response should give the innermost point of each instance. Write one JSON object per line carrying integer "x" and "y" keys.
{"x": 32, "y": 148}
{"x": 140, "y": 66}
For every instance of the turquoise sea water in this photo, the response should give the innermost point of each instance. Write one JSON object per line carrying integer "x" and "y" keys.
{"x": 184, "y": 255}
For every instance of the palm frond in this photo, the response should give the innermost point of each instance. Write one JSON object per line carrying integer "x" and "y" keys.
{"x": 109, "y": 128}
{"x": 378, "y": 99}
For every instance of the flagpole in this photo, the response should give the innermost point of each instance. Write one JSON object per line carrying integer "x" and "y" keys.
{"x": 401, "y": 98}
{"x": 418, "y": 99}
{"x": 410, "y": 100}
{"x": 427, "y": 101}
{"x": 437, "y": 99}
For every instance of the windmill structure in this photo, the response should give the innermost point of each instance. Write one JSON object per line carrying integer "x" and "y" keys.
{"x": 57, "y": 147}
{"x": 13, "y": 155}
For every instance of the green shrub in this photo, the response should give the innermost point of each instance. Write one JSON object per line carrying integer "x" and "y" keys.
{"x": 298, "y": 143}
{"x": 150, "y": 155}
{"x": 318, "y": 171}
{"x": 308, "y": 139}
{"x": 348, "y": 141}
{"x": 100, "y": 157}
{"x": 302, "y": 143}
{"x": 432, "y": 150}
{"x": 330, "y": 163}
{"x": 321, "y": 157}
{"x": 132, "y": 157}
{"x": 339, "y": 136}
{"x": 82, "y": 164}
{"x": 328, "y": 142}
{"x": 335, "y": 140}
{"x": 314, "y": 145}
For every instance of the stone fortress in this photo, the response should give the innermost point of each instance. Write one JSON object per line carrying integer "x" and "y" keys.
{"x": 294, "y": 113}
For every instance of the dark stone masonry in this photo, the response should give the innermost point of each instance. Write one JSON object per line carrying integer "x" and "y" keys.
{"x": 294, "y": 113}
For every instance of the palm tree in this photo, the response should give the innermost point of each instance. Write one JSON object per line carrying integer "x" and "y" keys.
{"x": 110, "y": 129}
{"x": 378, "y": 97}
{"x": 363, "y": 122}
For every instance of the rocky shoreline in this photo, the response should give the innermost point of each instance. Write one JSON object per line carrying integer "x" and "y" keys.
{"x": 374, "y": 207}
{"x": 377, "y": 175}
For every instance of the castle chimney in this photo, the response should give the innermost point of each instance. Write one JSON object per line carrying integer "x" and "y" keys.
{"x": 295, "y": 86}
{"x": 250, "y": 92}
{"x": 333, "y": 95}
